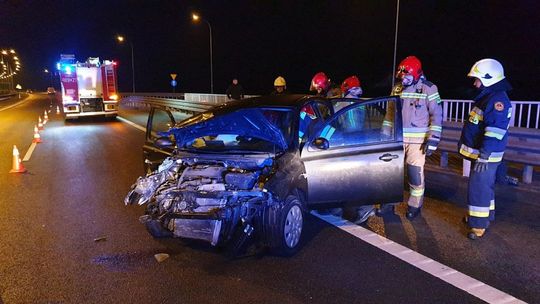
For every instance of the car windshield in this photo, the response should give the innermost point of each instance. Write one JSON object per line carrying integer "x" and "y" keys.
{"x": 240, "y": 131}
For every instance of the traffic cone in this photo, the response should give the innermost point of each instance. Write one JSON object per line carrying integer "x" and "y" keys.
{"x": 57, "y": 110}
{"x": 45, "y": 117}
{"x": 37, "y": 138}
{"x": 40, "y": 124}
{"x": 17, "y": 165}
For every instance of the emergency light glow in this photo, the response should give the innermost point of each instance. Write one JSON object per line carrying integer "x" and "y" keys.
{"x": 68, "y": 70}
{"x": 58, "y": 66}
{"x": 114, "y": 97}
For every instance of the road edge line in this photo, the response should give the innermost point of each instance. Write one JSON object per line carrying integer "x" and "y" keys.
{"x": 29, "y": 152}
{"x": 131, "y": 123}
{"x": 449, "y": 275}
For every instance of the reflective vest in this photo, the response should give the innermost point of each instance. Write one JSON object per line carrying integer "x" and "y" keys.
{"x": 485, "y": 132}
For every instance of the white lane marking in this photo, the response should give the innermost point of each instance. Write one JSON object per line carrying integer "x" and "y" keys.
{"x": 129, "y": 122}
{"x": 13, "y": 105}
{"x": 436, "y": 269}
{"x": 29, "y": 152}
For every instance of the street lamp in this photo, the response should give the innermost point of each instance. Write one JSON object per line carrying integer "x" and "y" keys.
{"x": 195, "y": 17}
{"x": 121, "y": 39}
{"x": 395, "y": 44}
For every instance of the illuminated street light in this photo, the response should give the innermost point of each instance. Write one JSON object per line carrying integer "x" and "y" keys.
{"x": 46, "y": 71}
{"x": 4, "y": 52}
{"x": 121, "y": 39}
{"x": 195, "y": 17}
{"x": 12, "y": 51}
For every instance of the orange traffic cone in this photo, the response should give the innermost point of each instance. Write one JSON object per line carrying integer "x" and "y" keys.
{"x": 37, "y": 138}
{"x": 57, "y": 110}
{"x": 40, "y": 124}
{"x": 17, "y": 165}
{"x": 45, "y": 117}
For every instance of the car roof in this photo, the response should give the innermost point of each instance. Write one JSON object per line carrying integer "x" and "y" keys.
{"x": 288, "y": 100}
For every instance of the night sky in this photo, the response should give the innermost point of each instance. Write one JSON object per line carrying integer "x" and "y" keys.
{"x": 259, "y": 40}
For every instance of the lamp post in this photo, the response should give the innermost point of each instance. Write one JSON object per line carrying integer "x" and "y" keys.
{"x": 121, "y": 39}
{"x": 395, "y": 43}
{"x": 196, "y": 18}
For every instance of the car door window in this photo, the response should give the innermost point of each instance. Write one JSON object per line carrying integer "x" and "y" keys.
{"x": 360, "y": 124}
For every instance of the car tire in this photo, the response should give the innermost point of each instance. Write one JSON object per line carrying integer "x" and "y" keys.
{"x": 287, "y": 234}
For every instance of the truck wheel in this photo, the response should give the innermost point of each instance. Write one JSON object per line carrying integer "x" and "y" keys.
{"x": 289, "y": 229}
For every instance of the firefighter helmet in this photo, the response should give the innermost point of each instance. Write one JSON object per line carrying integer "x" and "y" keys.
{"x": 348, "y": 83}
{"x": 410, "y": 65}
{"x": 280, "y": 82}
{"x": 320, "y": 82}
{"x": 488, "y": 71}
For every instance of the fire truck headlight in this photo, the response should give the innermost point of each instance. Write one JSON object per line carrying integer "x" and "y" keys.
{"x": 114, "y": 97}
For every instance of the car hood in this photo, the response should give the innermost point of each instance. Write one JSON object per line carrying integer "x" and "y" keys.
{"x": 245, "y": 122}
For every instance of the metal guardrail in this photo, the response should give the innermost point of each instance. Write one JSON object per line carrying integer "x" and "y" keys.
{"x": 190, "y": 103}
{"x": 168, "y": 103}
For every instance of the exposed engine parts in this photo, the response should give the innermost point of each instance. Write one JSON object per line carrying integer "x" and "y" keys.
{"x": 209, "y": 201}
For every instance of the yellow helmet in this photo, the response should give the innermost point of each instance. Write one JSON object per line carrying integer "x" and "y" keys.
{"x": 280, "y": 82}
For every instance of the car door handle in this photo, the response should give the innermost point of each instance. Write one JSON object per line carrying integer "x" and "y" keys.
{"x": 388, "y": 157}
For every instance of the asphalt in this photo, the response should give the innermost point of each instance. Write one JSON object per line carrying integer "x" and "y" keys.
{"x": 73, "y": 194}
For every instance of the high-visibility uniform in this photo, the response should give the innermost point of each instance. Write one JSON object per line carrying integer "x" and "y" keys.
{"x": 485, "y": 135}
{"x": 422, "y": 125}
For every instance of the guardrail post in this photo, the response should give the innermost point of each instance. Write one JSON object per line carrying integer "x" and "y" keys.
{"x": 466, "y": 167}
{"x": 527, "y": 174}
{"x": 444, "y": 159}
{"x": 445, "y": 111}
{"x": 513, "y": 117}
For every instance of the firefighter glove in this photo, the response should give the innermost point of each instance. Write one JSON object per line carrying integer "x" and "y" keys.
{"x": 430, "y": 147}
{"x": 480, "y": 165}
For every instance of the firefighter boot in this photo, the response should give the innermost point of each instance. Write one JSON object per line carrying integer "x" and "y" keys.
{"x": 412, "y": 212}
{"x": 476, "y": 233}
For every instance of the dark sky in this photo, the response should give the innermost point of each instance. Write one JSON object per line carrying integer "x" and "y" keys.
{"x": 258, "y": 40}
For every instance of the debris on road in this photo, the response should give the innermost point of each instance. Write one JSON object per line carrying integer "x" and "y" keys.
{"x": 160, "y": 257}
{"x": 101, "y": 238}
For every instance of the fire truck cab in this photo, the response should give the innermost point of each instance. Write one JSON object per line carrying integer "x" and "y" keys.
{"x": 88, "y": 88}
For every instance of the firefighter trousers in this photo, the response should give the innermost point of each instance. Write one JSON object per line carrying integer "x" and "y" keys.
{"x": 415, "y": 160}
{"x": 481, "y": 197}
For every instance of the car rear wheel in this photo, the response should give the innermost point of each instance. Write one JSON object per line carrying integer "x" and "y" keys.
{"x": 288, "y": 232}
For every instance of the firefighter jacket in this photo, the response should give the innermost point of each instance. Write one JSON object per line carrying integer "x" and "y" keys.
{"x": 421, "y": 112}
{"x": 485, "y": 133}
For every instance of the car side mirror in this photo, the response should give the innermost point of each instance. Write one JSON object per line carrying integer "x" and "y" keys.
{"x": 321, "y": 143}
{"x": 164, "y": 142}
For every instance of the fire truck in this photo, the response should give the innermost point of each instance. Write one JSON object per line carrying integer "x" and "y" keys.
{"x": 88, "y": 88}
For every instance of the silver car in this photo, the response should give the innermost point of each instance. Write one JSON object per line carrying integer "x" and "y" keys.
{"x": 250, "y": 170}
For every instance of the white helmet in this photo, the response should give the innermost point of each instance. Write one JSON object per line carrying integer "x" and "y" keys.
{"x": 489, "y": 71}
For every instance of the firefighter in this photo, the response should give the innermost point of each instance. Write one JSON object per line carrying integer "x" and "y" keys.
{"x": 422, "y": 127}
{"x": 483, "y": 140}
{"x": 320, "y": 83}
{"x": 280, "y": 86}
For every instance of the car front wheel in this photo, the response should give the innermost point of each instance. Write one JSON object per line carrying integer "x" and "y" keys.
{"x": 289, "y": 228}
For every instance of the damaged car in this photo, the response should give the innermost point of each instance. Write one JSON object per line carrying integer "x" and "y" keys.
{"x": 253, "y": 169}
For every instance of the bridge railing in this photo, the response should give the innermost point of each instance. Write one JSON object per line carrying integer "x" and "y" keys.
{"x": 525, "y": 114}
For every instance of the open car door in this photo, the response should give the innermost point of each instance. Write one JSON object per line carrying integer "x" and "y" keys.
{"x": 159, "y": 120}
{"x": 356, "y": 156}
